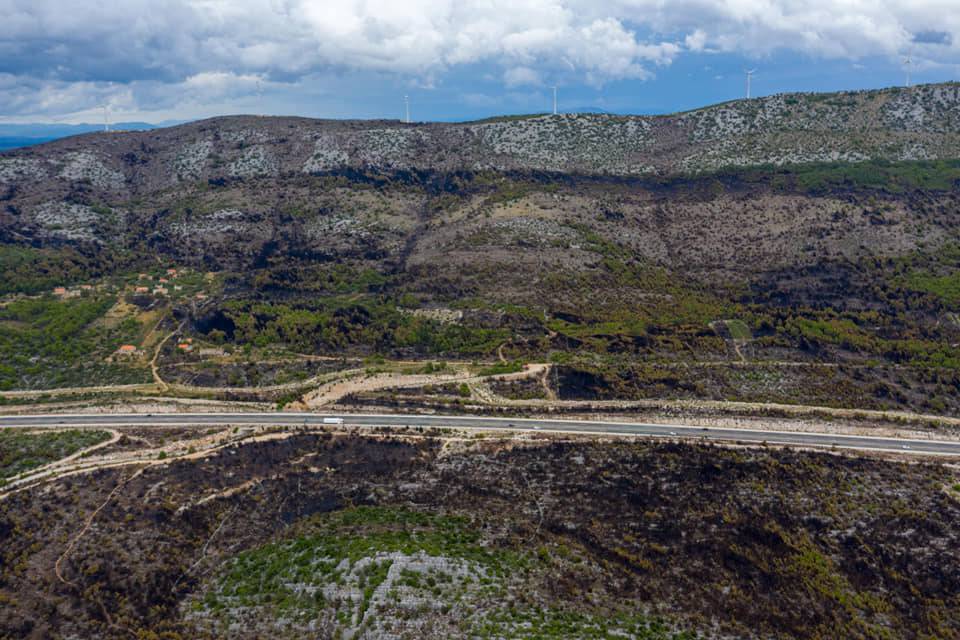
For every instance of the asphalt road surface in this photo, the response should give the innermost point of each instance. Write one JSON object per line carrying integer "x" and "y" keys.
{"x": 806, "y": 439}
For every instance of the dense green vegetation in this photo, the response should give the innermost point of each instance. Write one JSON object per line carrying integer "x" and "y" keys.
{"x": 29, "y": 270}
{"x": 857, "y": 335}
{"x": 893, "y": 177}
{"x": 945, "y": 287}
{"x": 293, "y": 274}
{"x": 738, "y": 330}
{"x": 365, "y": 323}
{"x": 21, "y": 451}
{"x": 936, "y": 273}
{"x": 49, "y": 343}
{"x": 501, "y": 368}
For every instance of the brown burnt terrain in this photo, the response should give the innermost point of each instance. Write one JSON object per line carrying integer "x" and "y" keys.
{"x": 798, "y": 250}
{"x": 230, "y": 192}
{"x": 713, "y": 542}
{"x": 611, "y": 246}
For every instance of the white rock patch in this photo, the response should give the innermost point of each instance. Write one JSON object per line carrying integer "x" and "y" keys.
{"x": 84, "y": 165}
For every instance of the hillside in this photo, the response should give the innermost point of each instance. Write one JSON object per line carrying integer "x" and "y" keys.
{"x": 523, "y": 239}
{"x": 413, "y": 535}
{"x": 918, "y": 123}
{"x": 789, "y": 264}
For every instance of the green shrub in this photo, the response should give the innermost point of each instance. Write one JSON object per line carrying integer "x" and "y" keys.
{"x": 21, "y": 451}
{"x": 502, "y": 368}
{"x": 47, "y": 343}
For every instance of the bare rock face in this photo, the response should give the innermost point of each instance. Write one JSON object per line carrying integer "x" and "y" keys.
{"x": 608, "y": 144}
{"x": 327, "y": 154}
{"x": 255, "y": 161}
{"x": 86, "y": 166}
{"x": 14, "y": 170}
{"x": 191, "y": 159}
{"x": 65, "y": 220}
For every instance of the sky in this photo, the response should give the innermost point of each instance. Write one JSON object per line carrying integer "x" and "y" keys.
{"x": 69, "y": 61}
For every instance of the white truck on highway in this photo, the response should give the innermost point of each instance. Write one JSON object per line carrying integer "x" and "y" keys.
{"x": 333, "y": 421}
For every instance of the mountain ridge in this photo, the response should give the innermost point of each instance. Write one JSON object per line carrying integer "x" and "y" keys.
{"x": 919, "y": 123}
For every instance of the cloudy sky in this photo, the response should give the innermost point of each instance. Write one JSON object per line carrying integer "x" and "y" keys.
{"x": 158, "y": 60}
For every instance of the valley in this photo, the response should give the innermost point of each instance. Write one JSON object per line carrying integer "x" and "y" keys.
{"x": 583, "y": 376}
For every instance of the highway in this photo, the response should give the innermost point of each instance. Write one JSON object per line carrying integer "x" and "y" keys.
{"x": 785, "y": 438}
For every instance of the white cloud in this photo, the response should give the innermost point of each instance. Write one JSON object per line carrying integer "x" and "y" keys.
{"x": 62, "y": 52}
{"x": 216, "y": 84}
{"x": 829, "y": 28}
{"x": 519, "y": 76}
{"x": 696, "y": 41}
{"x": 81, "y": 39}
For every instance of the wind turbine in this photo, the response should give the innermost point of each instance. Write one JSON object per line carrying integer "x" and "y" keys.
{"x": 554, "y": 99}
{"x": 259, "y": 98}
{"x": 749, "y": 73}
{"x": 406, "y": 104}
{"x": 907, "y": 62}
{"x": 106, "y": 118}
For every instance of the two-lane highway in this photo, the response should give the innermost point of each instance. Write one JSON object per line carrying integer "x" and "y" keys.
{"x": 753, "y": 436}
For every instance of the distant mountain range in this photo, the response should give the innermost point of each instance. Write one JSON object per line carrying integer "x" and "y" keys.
{"x": 13, "y": 136}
